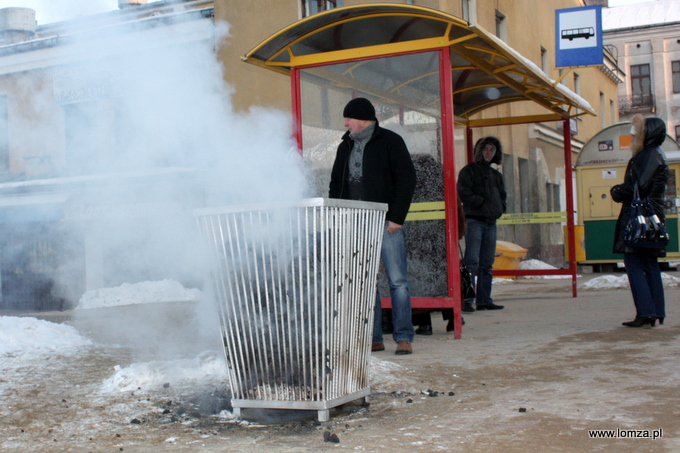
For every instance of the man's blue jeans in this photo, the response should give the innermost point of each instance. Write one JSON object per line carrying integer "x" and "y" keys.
{"x": 480, "y": 253}
{"x": 393, "y": 254}
{"x": 646, "y": 285}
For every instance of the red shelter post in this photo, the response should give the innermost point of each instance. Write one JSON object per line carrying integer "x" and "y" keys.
{"x": 568, "y": 176}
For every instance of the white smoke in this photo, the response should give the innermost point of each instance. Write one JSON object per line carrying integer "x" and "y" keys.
{"x": 150, "y": 100}
{"x": 48, "y": 11}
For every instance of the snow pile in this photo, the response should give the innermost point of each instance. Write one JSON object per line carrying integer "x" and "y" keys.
{"x": 538, "y": 265}
{"x": 138, "y": 293}
{"x": 607, "y": 282}
{"x": 207, "y": 368}
{"x": 24, "y": 339}
{"x": 621, "y": 282}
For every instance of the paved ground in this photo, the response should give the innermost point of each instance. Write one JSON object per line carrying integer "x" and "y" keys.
{"x": 535, "y": 377}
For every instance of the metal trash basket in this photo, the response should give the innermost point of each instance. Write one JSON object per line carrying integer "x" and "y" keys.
{"x": 296, "y": 288}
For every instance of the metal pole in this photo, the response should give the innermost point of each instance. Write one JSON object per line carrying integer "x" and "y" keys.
{"x": 296, "y": 102}
{"x": 568, "y": 172}
{"x": 450, "y": 193}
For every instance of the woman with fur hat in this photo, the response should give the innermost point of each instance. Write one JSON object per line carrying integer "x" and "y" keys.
{"x": 482, "y": 191}
{"x": 649, "y": 169}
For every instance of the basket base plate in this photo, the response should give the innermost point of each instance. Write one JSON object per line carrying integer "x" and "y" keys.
{"x": 323, "y": 407}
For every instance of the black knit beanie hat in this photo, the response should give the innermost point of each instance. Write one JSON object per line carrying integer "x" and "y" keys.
{"x": 359, "y": 109}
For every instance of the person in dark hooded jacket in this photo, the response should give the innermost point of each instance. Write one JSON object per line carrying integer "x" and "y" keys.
{"x": 647, "y": 167}
{"x": 482, "y": 191}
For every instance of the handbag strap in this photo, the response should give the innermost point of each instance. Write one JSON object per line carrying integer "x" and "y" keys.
{"x": 636, "y": 201}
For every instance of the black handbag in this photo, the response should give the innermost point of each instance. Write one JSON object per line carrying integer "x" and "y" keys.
{"x": 644, "y": 228}
{"x": 467, "y": 288}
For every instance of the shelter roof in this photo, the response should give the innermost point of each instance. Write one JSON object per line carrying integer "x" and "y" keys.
{"x": 486, "y": 72}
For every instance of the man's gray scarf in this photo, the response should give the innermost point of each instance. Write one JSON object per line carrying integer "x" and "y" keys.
{"x": 356, "y": 157}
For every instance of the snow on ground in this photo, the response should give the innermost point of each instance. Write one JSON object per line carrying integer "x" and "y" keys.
{"x": 529, "y": 265}
{"x": 26, "y": 339}
{"x": 207, "y": 368}
{"x": 538, "y": 265}
{"x": 138, "y": 293}
{"x": 621, "y": 282}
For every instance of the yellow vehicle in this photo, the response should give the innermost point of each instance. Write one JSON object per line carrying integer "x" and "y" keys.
{"x": 601, "y": 165}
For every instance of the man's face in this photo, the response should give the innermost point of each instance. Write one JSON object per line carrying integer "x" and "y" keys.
{"x": 488, "y": 152}
{"x": 354, "y": 125}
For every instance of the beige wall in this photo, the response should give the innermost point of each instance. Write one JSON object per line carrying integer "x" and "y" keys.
{"x": 35, "y": 123}
{"x": 251, "y": 22}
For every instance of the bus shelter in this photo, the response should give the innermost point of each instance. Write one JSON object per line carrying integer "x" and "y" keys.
{"x": 429, "y": 74}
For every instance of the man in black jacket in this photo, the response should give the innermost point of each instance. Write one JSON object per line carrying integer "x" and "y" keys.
{"x": 482, "y": 191}
{"x": 373, "y": 164}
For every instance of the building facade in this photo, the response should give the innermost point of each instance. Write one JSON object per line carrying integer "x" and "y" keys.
{"x": 646, "y": 39}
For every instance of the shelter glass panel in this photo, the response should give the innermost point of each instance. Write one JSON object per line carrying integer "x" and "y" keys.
{"x": 405, "y": 91}
{"x": 370, "y": 31}
{"x": 4, "y": 135}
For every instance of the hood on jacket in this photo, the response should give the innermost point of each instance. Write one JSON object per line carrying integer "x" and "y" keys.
{"x": 655, "y": 132}
{"x": 481, "y": 144}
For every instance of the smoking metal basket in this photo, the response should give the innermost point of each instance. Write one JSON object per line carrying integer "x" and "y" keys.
{"x": 295, "y": 288}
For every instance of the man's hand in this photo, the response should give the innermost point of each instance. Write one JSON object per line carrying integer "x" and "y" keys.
{"x": 393, "y": 227}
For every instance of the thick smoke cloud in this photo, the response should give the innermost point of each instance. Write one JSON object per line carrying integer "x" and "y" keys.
{"x": 48, "y": 11}
{"x": 150, "y": 120}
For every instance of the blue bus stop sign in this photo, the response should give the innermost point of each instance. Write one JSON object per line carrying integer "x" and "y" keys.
{"x": 578, "y": 36}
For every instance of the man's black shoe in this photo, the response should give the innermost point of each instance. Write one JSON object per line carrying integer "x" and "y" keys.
{"x": 468, "y": 308}
{"x": 424, "y": 330}
{"x": 490, "y": 306}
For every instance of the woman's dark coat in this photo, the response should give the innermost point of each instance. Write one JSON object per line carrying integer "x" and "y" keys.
{"x": 389, "y": 175}
{"x": 650, "y": 170}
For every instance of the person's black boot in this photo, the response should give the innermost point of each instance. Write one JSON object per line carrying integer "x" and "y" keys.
{"x": 641, "y": 322}
{"x": 449, "y": 325}
{"x": 424, "y": 330}
{"x": 387, "y": 326}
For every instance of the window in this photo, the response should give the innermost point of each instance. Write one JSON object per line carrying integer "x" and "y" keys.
{"x": 524, "y": 188}
{"x": 544, "y": 59}
{"x": 80, "y": 126}
{"x": 310, "y": 7}
{"x": 470, "y": 10}
{"x": 612, "y": 112}
{"x": 4, "y": 135}
{"x": 675, "y": 66}
{"x": 501, "y": 26}
{"x": 677, "y": 133}
{"x": 577, "y": 84}
{"x": 603, "y": 119}
{"x": 552, "y": 193}
{"x": 641, "y": 85}
{"x": 509, "y": 180}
